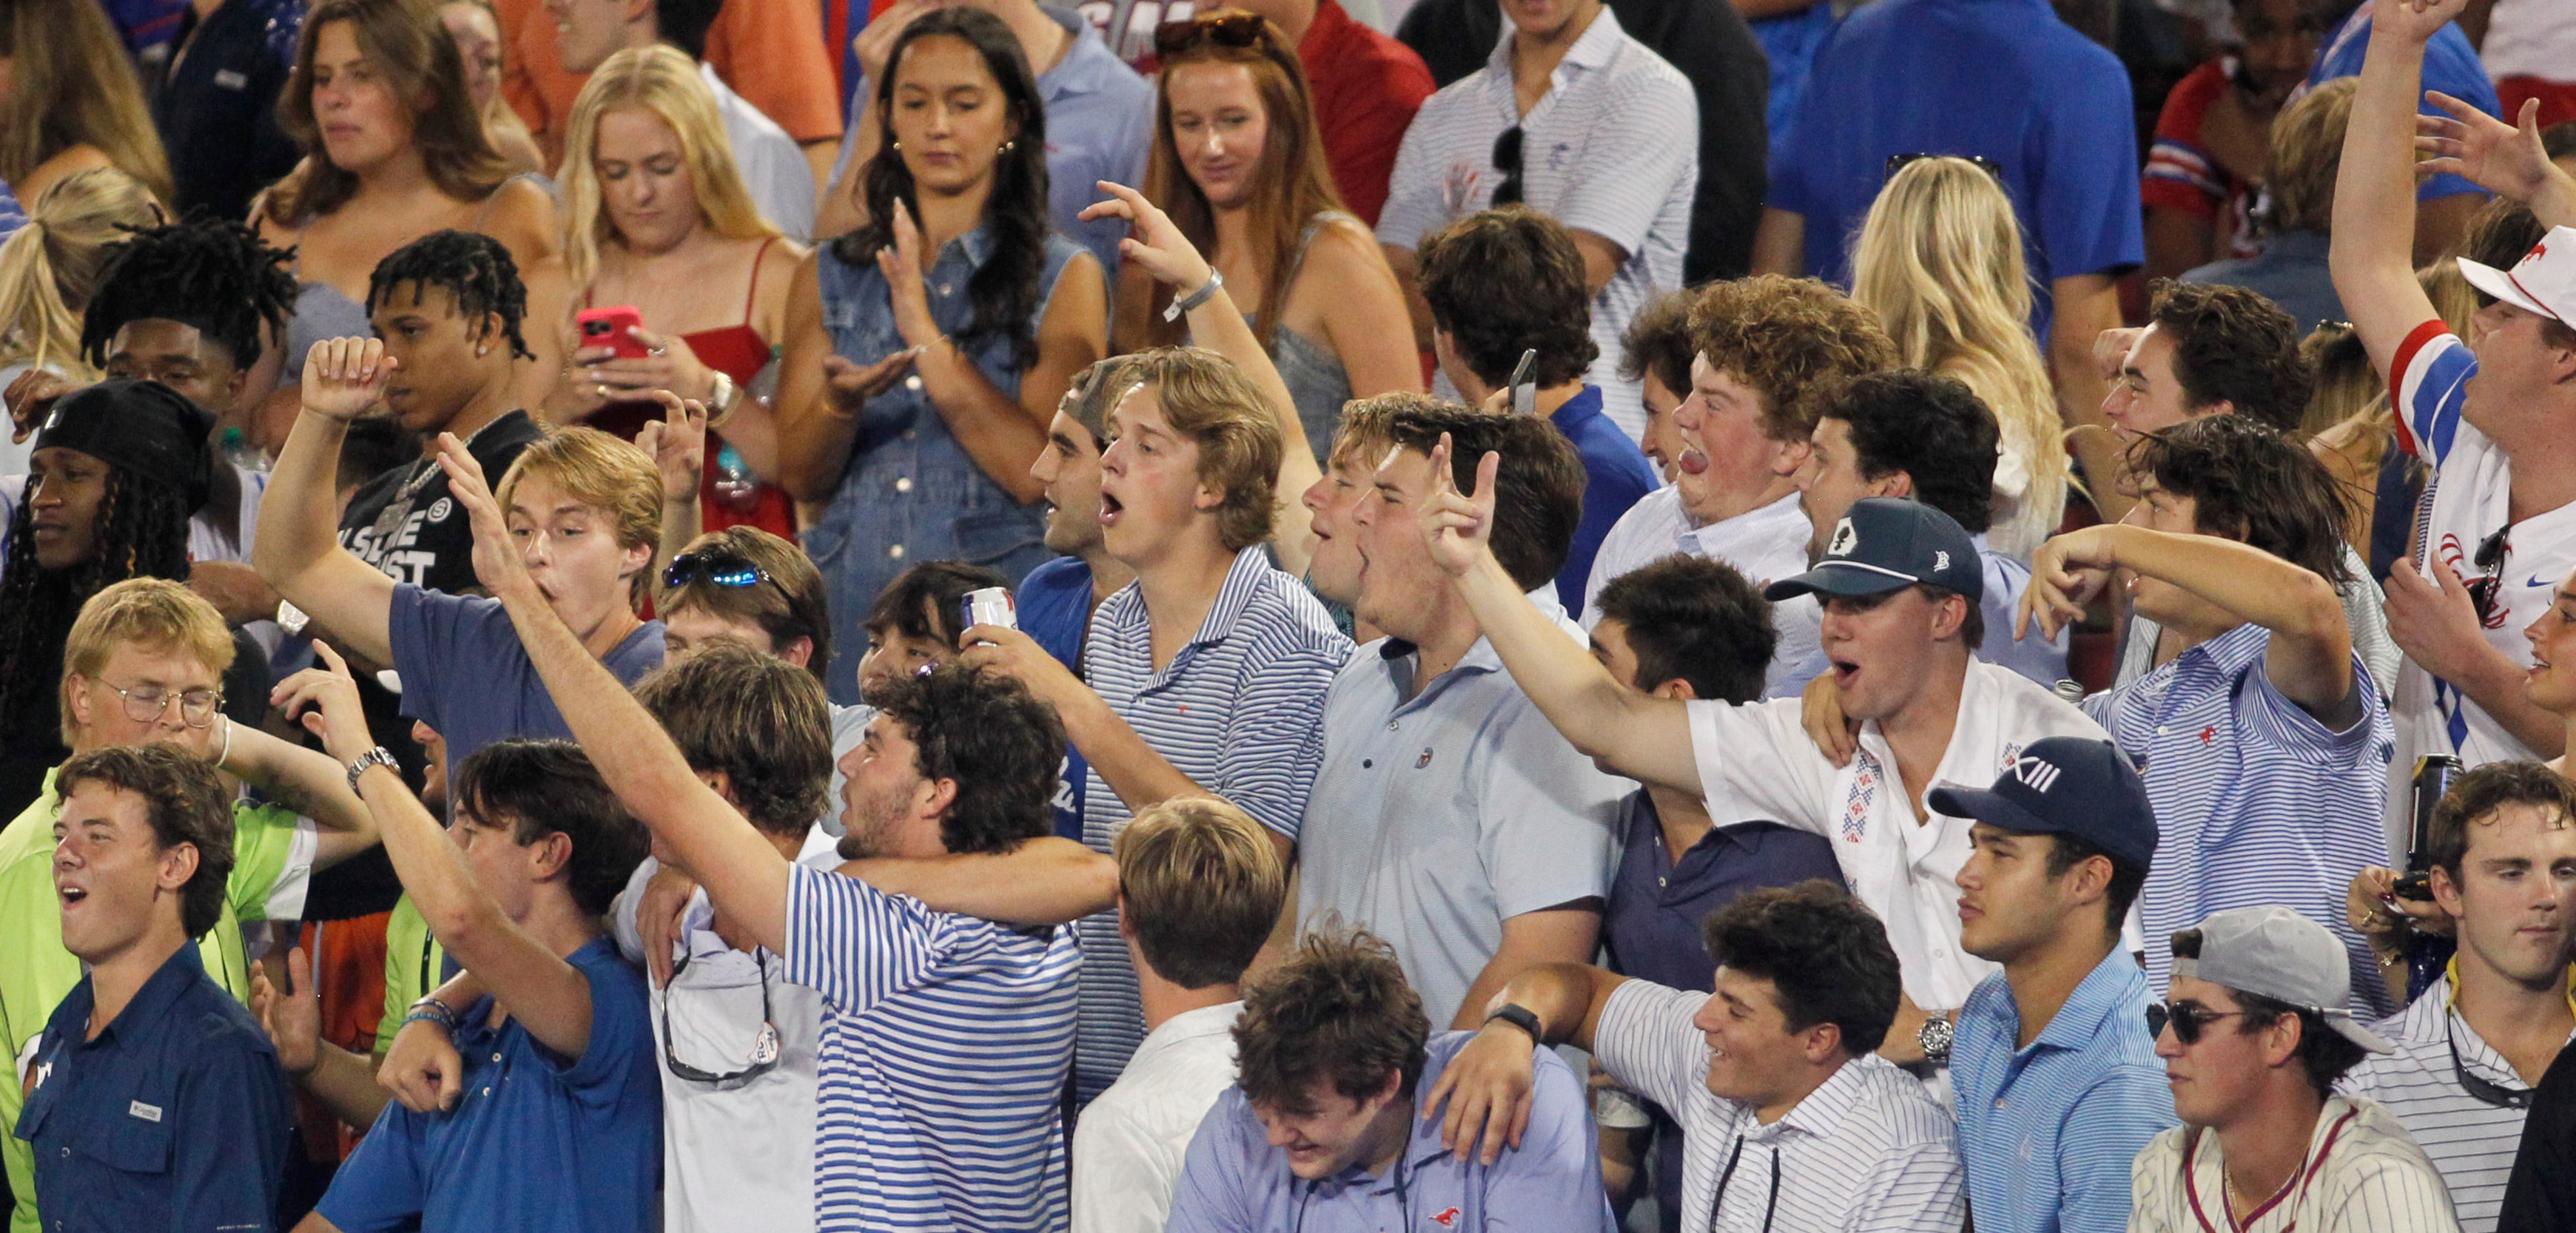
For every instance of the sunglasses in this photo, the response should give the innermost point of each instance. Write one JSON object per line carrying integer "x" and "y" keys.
{"x": 1507, "y": 159}
{"x": 2187, "y": 1019}
{"x": 1237, "y": 29}
{"x": 2490, "y": 558}
{"x": 765, "y": 1052}
{"x": 2482, "y": 1090}
{"x": 715, "y": 568}
{"x": 1899, "y": 162}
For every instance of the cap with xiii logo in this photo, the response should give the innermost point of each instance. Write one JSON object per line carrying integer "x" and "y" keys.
{"x": 2543, "y": 282}
{"x": 2064, "y": 785}
{"x": 1886, "y": 543}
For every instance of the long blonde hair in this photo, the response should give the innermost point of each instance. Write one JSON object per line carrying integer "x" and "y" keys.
{"x": 663, "y": 80}
{"x": 72, "y": 85}
{"x": 49, "y": 269}
{"x": 1940, "y": 261}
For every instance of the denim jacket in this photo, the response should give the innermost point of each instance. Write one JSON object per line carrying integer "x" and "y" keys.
{"x": 909, "y": 492}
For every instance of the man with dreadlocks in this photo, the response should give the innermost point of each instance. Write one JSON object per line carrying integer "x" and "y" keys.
{"x": 117, "y": 468}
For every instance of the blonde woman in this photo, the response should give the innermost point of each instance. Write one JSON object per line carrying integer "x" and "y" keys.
{"x": 49, "y": 270}
{"x": 658, "y": 220}
{"x": 1940, "y": 261}
{"x": 69, "y": 100}
{"x": 476, "y": 30}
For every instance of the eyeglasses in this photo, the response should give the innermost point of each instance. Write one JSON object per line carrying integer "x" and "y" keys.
{"x": 764, "y": 1047}
{"x": 2489, "y": 557}
{"x": 1507, "y": 159}
{"x": 2483, "y": 1090}
{"x": 717, "y": 568}
{"x": 1236, "y": 29}
{"x": 1899, "y": 162}
{"x": 146, "y": 704}
{"x": 2187, "y": 1019}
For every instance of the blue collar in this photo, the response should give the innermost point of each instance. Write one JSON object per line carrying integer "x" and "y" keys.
{"x": 2232, "y": 652}
{"x": 1599, "y": 42}
{"x": 1243, "y": 580}
{"x": 1088, "y": 65}
{"x": 2096, "y": 1002}
{"x": 1576, "y": 412}
{"x": 151, "y": 1003}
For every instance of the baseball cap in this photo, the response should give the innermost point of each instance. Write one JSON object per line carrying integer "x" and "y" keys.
{"x": 2543, "y": 282}
{"x": 2064, "y": 785}
{"x": 1884, "y": 543}
{"x": 144, "y": 427}
{"x": 2276, "y": 953}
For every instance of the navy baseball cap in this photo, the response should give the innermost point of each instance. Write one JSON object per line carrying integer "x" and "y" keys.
{"x": 1884, "y": 543}
{"x": 2065, "y": 785}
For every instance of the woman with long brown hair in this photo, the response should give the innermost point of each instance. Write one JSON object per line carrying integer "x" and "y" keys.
{"x": 69, "y": 100}
{"x": 395, "y": 151}
{"x": 1239, "y": 165}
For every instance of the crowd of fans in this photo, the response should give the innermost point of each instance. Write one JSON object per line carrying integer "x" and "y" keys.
{"x": 977, "y": 615}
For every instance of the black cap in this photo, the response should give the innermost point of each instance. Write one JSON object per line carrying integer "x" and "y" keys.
{"x": 1884, "y": 543}
{"x": 2064, "y": 785}
{"x": 142, "y": 427}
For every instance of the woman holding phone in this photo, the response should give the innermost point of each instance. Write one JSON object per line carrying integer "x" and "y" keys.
{"x": 683, "y": 285}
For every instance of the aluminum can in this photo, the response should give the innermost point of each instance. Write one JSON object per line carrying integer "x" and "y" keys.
{"x": 990, "y": 606}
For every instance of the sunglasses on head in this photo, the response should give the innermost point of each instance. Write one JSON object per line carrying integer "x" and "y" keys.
{"x": 1507, "y": 159}
{"x": 1899, "y": 162}
{"x": 715, "y": 567}
{"x": 1236, "y": 29}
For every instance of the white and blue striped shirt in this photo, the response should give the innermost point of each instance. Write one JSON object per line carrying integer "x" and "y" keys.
{"x": 2469, "y": 1140}
{"x": 1240, "y": 710}
{"x": 2256, "y": 802}
{"x": 945, "y": 1044}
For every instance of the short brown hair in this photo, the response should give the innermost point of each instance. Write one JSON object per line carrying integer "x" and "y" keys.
{"x": 2307, "y": 152}
{"x": 1538, "y": 492}
{"x": 2233, "y": 345}
{"x": 1509, "y": 280}
{"x": 1205, "y": 398}
{"x": 2476, "y": 796}
{"x": 1202, "y": 887}
{"x": 1658, "y": 341}
{"x": 1364, "y": 433}
{"x": 542, "y": 788}
{"x": 757, "y": 719}
{"x": 1337, "y": 1011}
{"x": 2250, "y": 482}
{"x": 184, "y": 801}
{"x": 1796, "y": 341}
{"x": 153, "y": 613}
{"x": 599, "y": 470}
{"x": 787, "y": 606}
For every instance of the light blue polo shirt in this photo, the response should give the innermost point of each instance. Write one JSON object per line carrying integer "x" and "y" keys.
{"x": 1233, "y": 1179}
{"x": 2048, "y": 1132}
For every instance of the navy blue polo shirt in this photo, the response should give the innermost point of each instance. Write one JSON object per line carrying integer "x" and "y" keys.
{"x": 178, "y": 1105}
{"x": 1651, "y": 922}
{"x": 1615, "y": 474}
{"x": 1054, "y": 604}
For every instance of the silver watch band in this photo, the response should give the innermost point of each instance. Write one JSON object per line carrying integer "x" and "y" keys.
{"x": 378, "y": 756}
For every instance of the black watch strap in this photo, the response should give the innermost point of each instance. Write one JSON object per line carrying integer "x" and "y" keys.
{"x": 1520, "y": 1017}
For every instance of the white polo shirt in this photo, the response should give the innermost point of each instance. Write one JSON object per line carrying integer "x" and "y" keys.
{"x": 1128, "y": 1147}
{"x": 1765, "y": 545}
{"x": 1757, "y": 761}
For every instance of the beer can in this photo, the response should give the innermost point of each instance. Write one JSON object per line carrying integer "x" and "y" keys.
{"x": 990, "y": 606}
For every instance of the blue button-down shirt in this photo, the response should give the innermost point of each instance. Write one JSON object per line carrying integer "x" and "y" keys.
{"x": 1651, "y": 924}
{"x": 177, "y": 1107}
{"x": 1054, "y": 604}
{"x": 1233, "y": 1181}
{"x": 1615, "y": 474}
{"x": 2048, "y": 1131}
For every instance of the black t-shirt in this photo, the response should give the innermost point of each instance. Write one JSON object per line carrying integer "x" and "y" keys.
{"x": 2541, "y": 1197}
{"x": 217, "y": 107}
{"x": 1709, "y": 42}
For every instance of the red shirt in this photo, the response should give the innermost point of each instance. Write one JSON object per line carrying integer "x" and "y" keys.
{"x": 1367, "y": 87}
{"x": 2182, "y": 175}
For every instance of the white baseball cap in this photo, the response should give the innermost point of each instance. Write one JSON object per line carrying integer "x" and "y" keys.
{"x": 2543, "y": 282}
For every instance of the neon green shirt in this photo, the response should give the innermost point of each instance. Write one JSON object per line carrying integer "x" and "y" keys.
{"x": 413, "y": 964}
{"x": 272, "y": 866}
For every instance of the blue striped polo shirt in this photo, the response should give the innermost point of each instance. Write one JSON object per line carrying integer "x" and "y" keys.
{"x": 945, "y": 1044}
{"x": 2258, "y": 803}
{"x": 1240, "y": 710}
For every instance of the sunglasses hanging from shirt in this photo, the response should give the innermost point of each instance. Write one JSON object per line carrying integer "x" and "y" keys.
{"x": 765, "y": 1049}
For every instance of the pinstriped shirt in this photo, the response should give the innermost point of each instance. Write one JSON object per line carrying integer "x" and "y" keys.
{"x": 2362, "y": 1175}
{"x": 1866, "y": 1152}
{"x": 2470, "y": 1141}
{"x": 945, "y": 1044}
{"x": 1240, "y": 710}
{"x": 2257, "y": 802}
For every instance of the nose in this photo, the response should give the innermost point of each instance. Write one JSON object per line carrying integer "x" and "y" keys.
{"x": 1316, "y": 495}
{"x": 537, "y": 549}
{"x": 1279, "y": 1134}
{"x": 2167, "y": 1044}
{"x": 1043, "y": 467}
{"x": 1705, "y": 1018}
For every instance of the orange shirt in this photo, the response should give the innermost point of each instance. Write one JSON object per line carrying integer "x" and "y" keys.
{"x": 770, "y": 51}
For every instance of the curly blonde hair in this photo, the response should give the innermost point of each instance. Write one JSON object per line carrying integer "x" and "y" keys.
{"x": 1796, "y": 341}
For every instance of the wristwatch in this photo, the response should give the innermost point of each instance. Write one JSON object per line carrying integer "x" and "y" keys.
{"x": 1935, "y": 1039}
{"x": 291, "y": 618}
{"x": 1520, "y": 1017}
{"x": 378, "y": 756}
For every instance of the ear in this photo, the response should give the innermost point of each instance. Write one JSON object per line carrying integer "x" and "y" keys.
{"x": 2446, "y": 892}
{"x": 1676, "y": 688}
{"x": 721, "y": 782}
{"x": 1385, "y": 1093}
{"x": 633, "y": 561}
{"x": 1207, "y": 498}
{"x": 76, "y": 693}
{"x": 2281, "y": 1041}
{"x": 550, "y": 855}
{"x": 799, "y": 653}
{"x": 1893, "y": 484}
{"x": 178, "y": 865}
{"x": 2223, "y": 406}
{"x": 1788, "y": 456}
{"x": 1949, "y": 617}
{"x": 1820, "y": 1042}
{"x": 934, "y": 798}
{"x": 1125, "y": 933}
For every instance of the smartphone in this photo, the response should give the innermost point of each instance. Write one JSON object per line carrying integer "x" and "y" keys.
{"x": 1525, "y": 386}
{"x": 609, "y": 327}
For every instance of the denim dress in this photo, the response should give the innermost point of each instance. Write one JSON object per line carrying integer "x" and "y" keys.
{"x": 910, "y": 493}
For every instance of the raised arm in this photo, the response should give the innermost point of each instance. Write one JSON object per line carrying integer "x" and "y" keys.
{"x": 542, "y": 991}
{"x": 2505, "y": 159}
{"x": 298, "y": 548}
{"x": 1637, "y": 735}
{"x": 306, "y": 781}
{"x": 2374, "y": 208}
{"x": 745, "y": 876}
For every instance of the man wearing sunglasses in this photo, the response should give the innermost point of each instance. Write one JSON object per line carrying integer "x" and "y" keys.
{"x": 2472, "y": 1048}
{"x": 2255, "y": 1036}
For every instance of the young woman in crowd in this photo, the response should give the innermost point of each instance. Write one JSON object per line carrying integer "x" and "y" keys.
{"x": 1239, "y": 164}
{"x": 69, "y": 100}
{"x": 926, "y": 351}
{"x": 49, "y": 269}
{"x": 1940, "y": 260}
{"x": 394, "y": 151}
{"x": 476, "y": 30}
{"x": 658, "y": 220}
